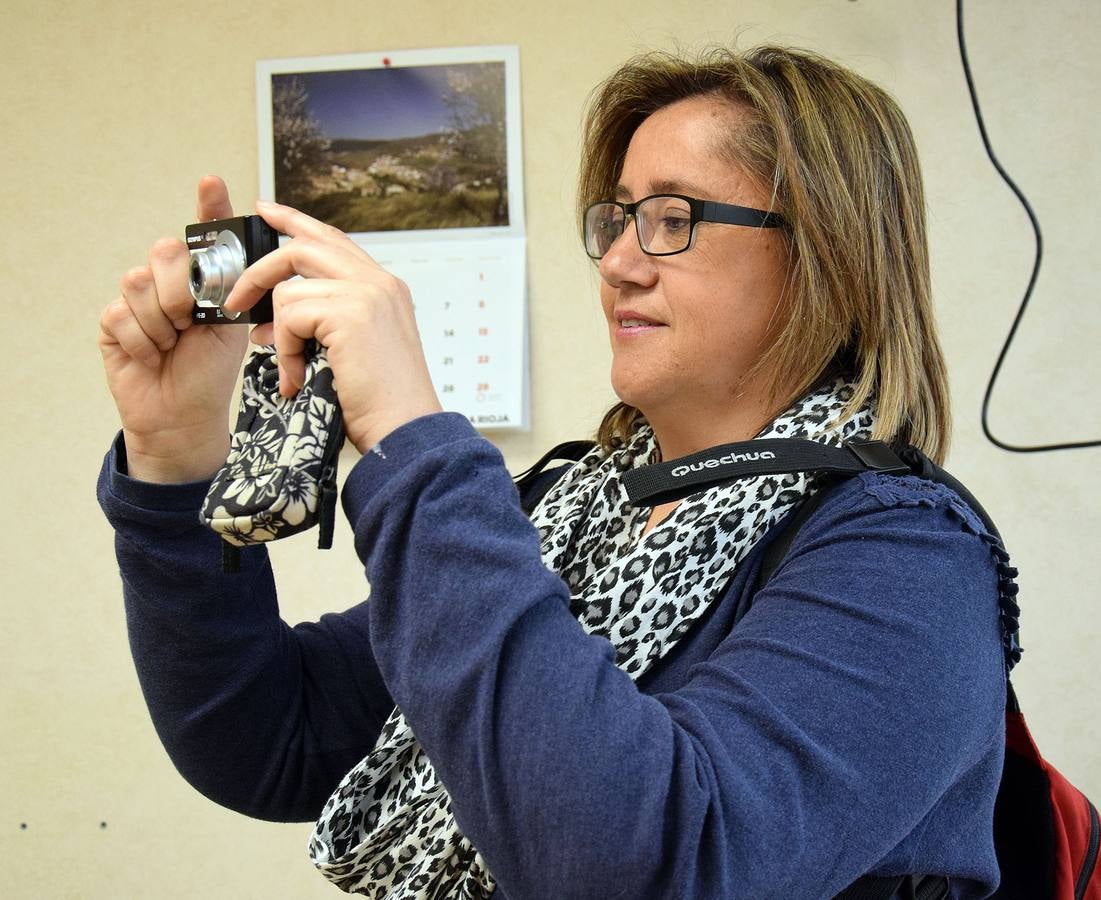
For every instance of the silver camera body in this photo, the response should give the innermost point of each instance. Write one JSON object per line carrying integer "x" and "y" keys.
{"x": 220, "y": 252}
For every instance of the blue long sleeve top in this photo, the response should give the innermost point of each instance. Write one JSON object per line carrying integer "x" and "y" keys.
{"x": 848, "y": 720}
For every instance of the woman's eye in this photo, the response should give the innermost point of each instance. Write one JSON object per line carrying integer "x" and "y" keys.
{"x": 673, "y": 224}
{"x": 611, "y": 224}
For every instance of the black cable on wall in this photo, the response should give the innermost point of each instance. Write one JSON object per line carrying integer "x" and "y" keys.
{"x": 1038, "y": 448}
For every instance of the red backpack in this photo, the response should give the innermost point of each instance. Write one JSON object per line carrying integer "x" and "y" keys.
{"x": 1046, "y": 831}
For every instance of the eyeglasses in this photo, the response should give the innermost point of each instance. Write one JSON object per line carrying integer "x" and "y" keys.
{"x": 665, "y": 223}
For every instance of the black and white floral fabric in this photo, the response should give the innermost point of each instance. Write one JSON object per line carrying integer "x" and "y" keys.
{"x": 270, "y": 486}
{"x": 388, "y": 831}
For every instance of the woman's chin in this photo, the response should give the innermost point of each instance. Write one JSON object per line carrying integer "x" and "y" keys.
{"x": 639, "y": 392}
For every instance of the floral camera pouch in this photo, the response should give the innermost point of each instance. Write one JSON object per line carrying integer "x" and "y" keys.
{"x": 280, "y": 475}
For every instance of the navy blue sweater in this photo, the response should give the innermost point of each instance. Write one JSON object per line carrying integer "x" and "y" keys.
{"x": 850, "y": 720}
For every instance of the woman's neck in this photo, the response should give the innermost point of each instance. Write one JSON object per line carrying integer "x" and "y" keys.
{"x": 683, "y": 430}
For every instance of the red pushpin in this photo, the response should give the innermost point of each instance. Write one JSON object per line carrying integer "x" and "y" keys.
{"x": 386, "y": 60}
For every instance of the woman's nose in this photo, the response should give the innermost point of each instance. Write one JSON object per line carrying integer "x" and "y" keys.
{"x": 625, "y": 263}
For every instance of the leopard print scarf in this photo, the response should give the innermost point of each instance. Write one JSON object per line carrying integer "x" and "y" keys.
{"x": 388, "y": 831}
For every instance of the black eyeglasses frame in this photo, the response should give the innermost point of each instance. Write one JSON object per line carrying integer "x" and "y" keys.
{"x": 699, "y": 211}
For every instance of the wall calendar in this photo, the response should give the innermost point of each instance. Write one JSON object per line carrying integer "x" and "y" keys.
{"x": 416, "y": 155}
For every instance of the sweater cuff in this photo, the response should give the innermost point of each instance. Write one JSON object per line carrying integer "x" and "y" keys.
{"x": 123, "y": 497}
{"x": 399, "y": 450}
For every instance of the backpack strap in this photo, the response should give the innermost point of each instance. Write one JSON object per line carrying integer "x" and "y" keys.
{"x": 897, "y": 887}
{"x": 677, "y": 478}
{"x": 918, "y": 464}
{"x": 923, "y": 467}
{"x": 535, "y": 481}
{"x": 872, "y": 887}
{"x": 778, "y": 547}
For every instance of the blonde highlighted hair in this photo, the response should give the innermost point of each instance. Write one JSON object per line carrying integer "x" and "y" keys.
{"x": 839, "y": 158}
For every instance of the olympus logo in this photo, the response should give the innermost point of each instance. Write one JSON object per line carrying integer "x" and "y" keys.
{"x": 714, "y": 463}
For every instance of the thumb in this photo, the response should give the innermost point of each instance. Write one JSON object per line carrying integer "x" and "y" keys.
{"x": 213, "y": 200}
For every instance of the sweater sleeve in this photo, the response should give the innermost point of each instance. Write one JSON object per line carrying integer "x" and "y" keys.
{"x": 244, "y": 704}
{"x": 864, "y": 683}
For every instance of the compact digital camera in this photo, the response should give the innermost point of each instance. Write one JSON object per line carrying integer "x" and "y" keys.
{"x": 220, "y": 251}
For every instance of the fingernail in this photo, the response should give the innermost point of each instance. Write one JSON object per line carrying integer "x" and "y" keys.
{"x": 264, "y": 204}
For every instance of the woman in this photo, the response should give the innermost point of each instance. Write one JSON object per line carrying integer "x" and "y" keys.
{"x": 597, "y": 702}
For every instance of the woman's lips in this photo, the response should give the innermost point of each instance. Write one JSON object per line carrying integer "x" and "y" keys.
{"x": 630, "y": 324}
{"x": 633, "y": 329}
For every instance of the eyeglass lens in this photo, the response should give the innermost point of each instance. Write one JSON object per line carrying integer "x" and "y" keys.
{"x": 664, "y": 225}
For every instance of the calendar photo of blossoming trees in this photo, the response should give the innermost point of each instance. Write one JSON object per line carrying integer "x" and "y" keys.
{"x": 393, "y": 148}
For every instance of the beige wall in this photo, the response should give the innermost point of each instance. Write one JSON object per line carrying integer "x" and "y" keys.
{"x": 111, "y": 111}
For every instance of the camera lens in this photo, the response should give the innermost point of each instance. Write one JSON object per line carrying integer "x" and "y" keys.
{"x": 214, "y": 270}
{"x": 196, "y": 274}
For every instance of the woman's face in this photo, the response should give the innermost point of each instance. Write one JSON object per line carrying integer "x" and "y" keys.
{"x": 708, "y": 310}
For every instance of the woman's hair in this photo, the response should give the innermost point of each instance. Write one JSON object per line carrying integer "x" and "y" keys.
{"x": 840, "y": 161}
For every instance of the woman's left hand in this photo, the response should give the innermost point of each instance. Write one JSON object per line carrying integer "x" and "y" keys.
{"x": 357, "y": 310}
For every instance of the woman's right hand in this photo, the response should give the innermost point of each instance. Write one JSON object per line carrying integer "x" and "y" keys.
{"x": 172, "y": 381}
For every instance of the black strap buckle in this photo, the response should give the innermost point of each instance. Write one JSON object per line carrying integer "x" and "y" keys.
{"x": 878, "y": 457}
